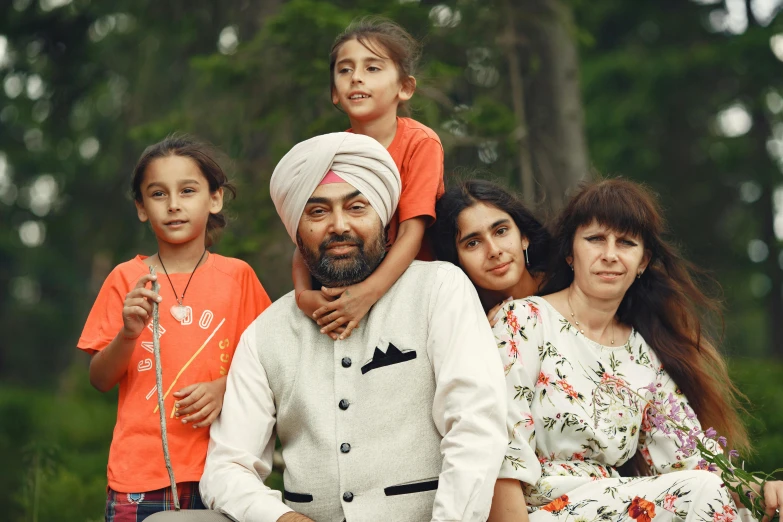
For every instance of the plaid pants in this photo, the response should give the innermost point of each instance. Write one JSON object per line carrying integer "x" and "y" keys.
{"x": 135, "y": 507}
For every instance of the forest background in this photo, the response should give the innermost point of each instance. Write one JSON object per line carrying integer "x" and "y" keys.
{"x": 686, "y": 96}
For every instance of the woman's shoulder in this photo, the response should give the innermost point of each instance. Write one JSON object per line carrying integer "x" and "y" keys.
{"x": 523, "y": 315}
{"x": 532, "y": 306}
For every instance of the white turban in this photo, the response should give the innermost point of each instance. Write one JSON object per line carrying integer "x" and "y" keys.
{"x": 359, "y": 160}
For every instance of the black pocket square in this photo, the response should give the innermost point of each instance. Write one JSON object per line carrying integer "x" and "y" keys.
{"x": 393, "y": 355}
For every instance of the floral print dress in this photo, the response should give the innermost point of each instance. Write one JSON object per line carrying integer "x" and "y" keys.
{"x": 576, "y": 412}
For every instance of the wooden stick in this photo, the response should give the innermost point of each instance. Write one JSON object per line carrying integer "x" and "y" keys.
{"x": 159, "y": 385}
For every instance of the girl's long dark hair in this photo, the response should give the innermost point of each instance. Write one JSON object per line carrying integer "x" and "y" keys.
{"x": 205, "y": 156}
{"x": 469, "y": 193}
{"x": 666, "y": 305}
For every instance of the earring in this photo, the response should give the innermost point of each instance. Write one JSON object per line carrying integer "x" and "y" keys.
{"x": 639, "y": 275}
{"x": 527, "y": 259}
{"x": 571, "y": 267}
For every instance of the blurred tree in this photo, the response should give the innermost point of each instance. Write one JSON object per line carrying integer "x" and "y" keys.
{"x": 78, "y": 78}
{"x": 686, "y": 98}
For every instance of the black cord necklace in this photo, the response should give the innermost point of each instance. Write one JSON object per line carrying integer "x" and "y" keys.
{"x": 178, "y": 310}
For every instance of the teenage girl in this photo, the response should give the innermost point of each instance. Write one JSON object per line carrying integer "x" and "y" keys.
{"x": 205, "y": 302}
{"x": 371, "y": 67}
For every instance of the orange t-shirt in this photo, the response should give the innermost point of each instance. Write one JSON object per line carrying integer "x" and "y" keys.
{"x": 223, "y": 298}
{"x": 418, "y": 154}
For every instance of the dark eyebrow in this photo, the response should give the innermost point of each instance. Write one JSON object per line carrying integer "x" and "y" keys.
{"x": 181, "y": 182}
{"x": 369, "y": 59}
{"x": 493, "y": 226}
{"x": 329, "y": 201}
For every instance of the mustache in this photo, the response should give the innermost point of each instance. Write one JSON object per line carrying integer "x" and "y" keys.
{"x": 342, "y": 238}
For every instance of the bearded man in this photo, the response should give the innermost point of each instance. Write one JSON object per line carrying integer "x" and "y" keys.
{"x": 402, "y": 421}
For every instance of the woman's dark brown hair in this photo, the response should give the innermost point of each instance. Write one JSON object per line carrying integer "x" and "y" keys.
{"x": 666, "y": 305}
{"x": 384, "y": 38}
{"x": 472, "y": 192}
{"x": 204, "y": 155}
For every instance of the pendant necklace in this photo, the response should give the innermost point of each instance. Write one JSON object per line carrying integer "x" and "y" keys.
{"x": 178, "y": 310}
{"x": 576, "y": 323}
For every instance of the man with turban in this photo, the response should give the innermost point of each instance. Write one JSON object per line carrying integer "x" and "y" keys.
{"x": 402, "y": 421}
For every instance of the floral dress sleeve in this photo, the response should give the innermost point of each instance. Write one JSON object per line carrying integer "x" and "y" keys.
{"x": 518, "y": 334}
{"x": 670, "y": 428}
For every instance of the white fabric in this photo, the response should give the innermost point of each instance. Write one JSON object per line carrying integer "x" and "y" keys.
{"x": 287, "y": 379}
{"x": 571, "y": 424}
{"x": 358, "y": 159}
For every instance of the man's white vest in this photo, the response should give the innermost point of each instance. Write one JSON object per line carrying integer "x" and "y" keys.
{"x": 355, "y": 416}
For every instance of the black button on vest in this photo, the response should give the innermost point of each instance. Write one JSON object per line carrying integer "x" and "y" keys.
{"x": 344, "y": 404}
{"x": 345, "y": 447}
{"x": 348, "y": 496}
{"x": 346, "y": 362}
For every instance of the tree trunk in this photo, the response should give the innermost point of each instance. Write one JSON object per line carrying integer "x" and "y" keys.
{"x": 761, "y": 131}
{"x": 521, "y": 131}
{"x": 554, "y": 106}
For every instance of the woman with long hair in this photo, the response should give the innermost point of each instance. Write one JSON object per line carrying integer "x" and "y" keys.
{"x": 494, "y": 238}
{"x": 599, "y": 369}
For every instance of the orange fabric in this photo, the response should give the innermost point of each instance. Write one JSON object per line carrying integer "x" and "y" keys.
{"x": 225, "y": 296}
{"x": 418, "y": 154}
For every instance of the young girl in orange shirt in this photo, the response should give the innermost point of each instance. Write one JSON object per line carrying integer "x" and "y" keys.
{"x": 205, "y": 300}
{"x": 371, "y": 67}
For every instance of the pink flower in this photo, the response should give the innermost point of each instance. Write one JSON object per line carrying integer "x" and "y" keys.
{"x": 570, "y": 391}
{"x": 511, "y": 320}
{"x": 513, "y": 351}
{"x": 534, "y": 312}
{"x": 728, "y": 515}
{"x": 668, "y": 502}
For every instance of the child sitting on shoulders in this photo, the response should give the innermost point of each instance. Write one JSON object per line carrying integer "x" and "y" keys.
{"x": 371, "y": 65}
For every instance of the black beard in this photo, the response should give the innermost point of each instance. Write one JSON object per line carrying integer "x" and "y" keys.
{"x": 346, "y": 269}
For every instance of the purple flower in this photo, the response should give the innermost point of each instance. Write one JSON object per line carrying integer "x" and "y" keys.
{"x": 722, "y": 441}
{"x": 702, "y": 464}
{"x": 710, "y": 433}
{"x": 712, "y": 467}
{"x": 650, "y": 387}
{"x": 734, "y": 453}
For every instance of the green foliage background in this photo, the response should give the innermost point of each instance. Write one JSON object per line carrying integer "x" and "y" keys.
{"x": 654, "y": 75}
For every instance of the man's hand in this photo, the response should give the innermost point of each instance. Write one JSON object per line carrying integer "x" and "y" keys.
{"x": 294, "y": 517}
{"x": 200, "y": 402}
